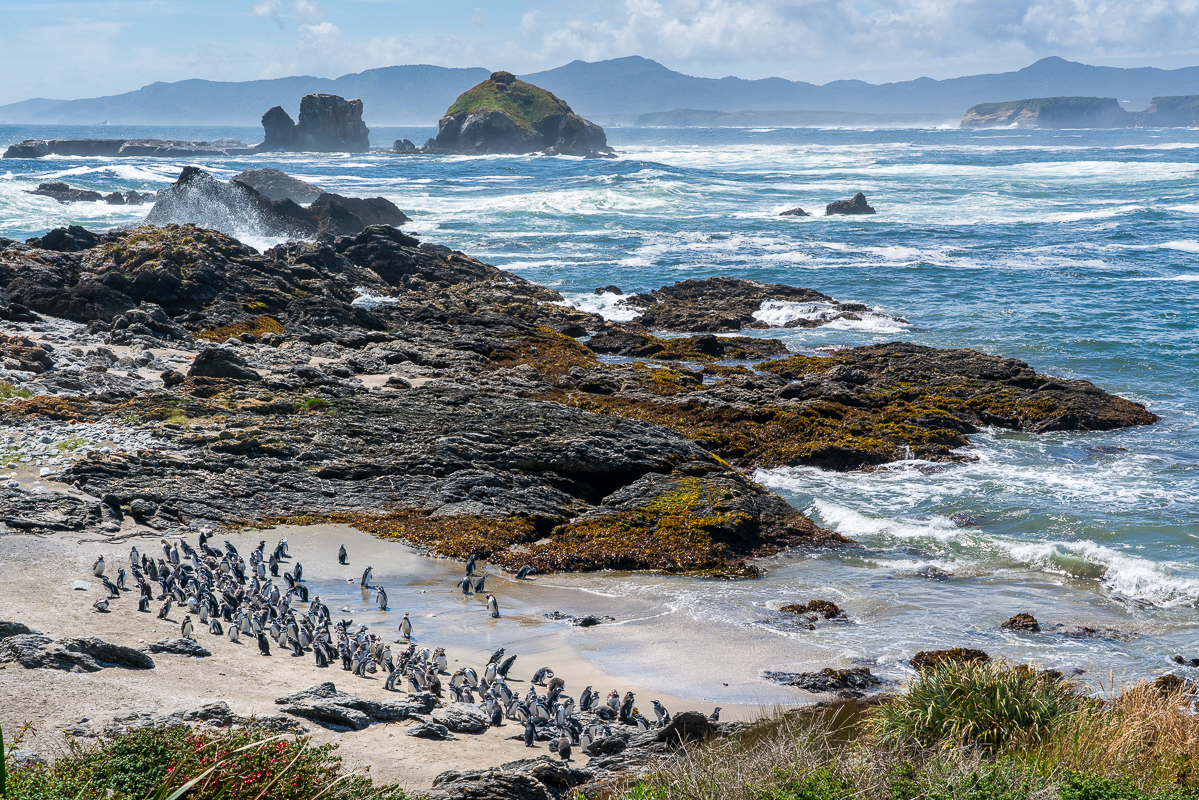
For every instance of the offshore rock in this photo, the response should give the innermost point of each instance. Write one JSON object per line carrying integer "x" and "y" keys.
{"x": 276, "y": 185}
{"x": 795, "y": 212}
{"x": 198, "y": 198}
{"x": 1022, "y": 622}
{"x": 1171, "y": 112}
{"x": 856, "y": 205}
{"x": 327, "y": 123}
{"x": 506, "y": 115}
{"x": 115, "y": 148}
{"x": 1050, "y": 112}
{"x": 346, "y": 216}
{"x": 65, "y": 194}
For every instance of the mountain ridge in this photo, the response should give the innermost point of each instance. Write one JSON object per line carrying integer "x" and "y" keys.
{"x": 633, "y": 85}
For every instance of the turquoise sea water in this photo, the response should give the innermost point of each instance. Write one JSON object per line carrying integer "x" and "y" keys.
{"x": 1077, "y": 251}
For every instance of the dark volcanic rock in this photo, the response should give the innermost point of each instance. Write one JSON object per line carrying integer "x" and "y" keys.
{"x": 36, "y": 148}
{"x": 686, "y": 727}
{"x": 34, "y": 651}
{"x": 328, "y": 123}
{"x": 346, "y": 216}
{"x": 487, "y": 785}
{"x": 326, "y": 706}
{"x": 15, "y": 629}
{"x": 857, "y": 205}
{"x": 276, "y": 185}
{"x": 1022, "y": 622}
{"x": 179, "y": 647}
{"x": 71, "y": 239}
{"x": 714, "y": 305}
{"x": 431, "y": 731}
{"x": 930, "y": 659}
{"x": 461, "y": 718}
{"x": 821, "y": 608}
{"x": 129, "y": 198}
{"x": 795, "y": 212}
{"x": 221, "y": 362}
{"x": 200, "y": 199}
{"x": 853, "y": 682}
{"x": 65, "y": 194}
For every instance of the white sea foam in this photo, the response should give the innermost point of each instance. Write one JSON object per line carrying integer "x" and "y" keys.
{"x": 778, "y": 313}
{"x": 1185, "y": 245}
{"x": 607, "y": 305}
{"x": 367, "y": 299}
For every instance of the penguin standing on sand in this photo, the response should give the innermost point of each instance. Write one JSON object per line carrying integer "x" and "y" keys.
{"x": 530, "y": 733}
{"x": 470, "y": 565}
{"x": 235, "y": 634}
{"x": 366, "y": 577}
{"x": 166, "y": 607}
{"x": 98, "y": 567}
{"x": 468, "y": 588}
{"x": 564, "y": 745}
{"x": 186, "y": 628}
{"x": 525, "y": 572}
{"x": 715, "y": 715}
{"x": 341, "y": 555}
{"x": 101, "y": 605}
{"x": 406, "y": 627}
{"x": 493, "y": 608}
{"x": 264, "y": 644}
{"x": 382, "y": 598}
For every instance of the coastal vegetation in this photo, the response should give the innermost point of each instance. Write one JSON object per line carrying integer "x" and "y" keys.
{"x": 961, "y": 731}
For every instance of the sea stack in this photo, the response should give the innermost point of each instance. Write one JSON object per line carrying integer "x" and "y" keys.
{"x": 328, "y": 124}
{"x": 506, "y": 115}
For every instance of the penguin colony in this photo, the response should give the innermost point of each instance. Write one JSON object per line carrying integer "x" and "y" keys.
{"x": 235, "y": 596}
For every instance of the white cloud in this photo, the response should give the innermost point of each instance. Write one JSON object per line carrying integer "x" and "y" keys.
{"x": 309, "y": 10}
{"x": 269, "y": 8}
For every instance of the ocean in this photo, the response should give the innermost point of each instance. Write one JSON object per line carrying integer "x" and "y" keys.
{"x": 1076, "y": 251}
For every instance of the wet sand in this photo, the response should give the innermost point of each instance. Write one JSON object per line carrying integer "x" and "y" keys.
{"x": 645, "y": 650}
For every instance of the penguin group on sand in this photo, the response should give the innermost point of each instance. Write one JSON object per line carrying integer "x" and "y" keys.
{"x": 231, "y": 595}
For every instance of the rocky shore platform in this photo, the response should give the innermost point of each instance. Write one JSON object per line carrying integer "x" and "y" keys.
{"x": 421, "y": 394}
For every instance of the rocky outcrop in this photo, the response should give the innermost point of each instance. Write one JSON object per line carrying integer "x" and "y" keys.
{"x": 116, "y": 148}
{"x": 8, "y": 628}
{"x": 178, "y": 647}
{"x": 931, "y": 659}
{"x": 87, "y": 654}
{"x": 327, "y": 707}
{"x": 276, "y": 185}
{"x": 795, "y": 212}
{"x": 327, "y": 123}
{"x": 1022, "y": 622}
{"x": 507, "y": 115}
{"x": 65, "y": 194}
{"x": 461, "y": 718}
{"x": 724, "y": 305}
{"x": 212, "y": 715}
{"x": 1050, "y": 112}
{"x": 420, "y": 394}
{"x": 200, "y": 199}
{"x": 856, "y": 205}
{"x": 853, "y": 682}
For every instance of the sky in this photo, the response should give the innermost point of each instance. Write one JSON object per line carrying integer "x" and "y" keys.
{"x": 67, "y": 49}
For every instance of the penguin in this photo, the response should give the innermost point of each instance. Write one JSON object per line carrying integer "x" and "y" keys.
{"x": 98, "y": 567}
{"x": 214, "y": 626}
{"x": 662, "y": 714}
{"x": 470, "y": 565}
{"x": 525, "y": 572}
{"x": 121, "y": 577}
{"x": 585, "y": 700}
{"x": 467, "y": 586}
{"x": 366, "y": 578}
{"x": 382, "y": 599}
{"x": 135, "y": 557}
{"x": 166, "y": 608}
{"x": 406, "y": 627}
{"x": 235, "y": 634}
{"x": 479, "y": 583}
{"x": 625, "y": 715}
{"x": 497, "y": 716}
{"x": 143, "y": 604}
{"x": 506, "y": 665}
{"x": 298, "y": 572}
{"x": 341, "y": 555}
{"x": 493, "y": 608}
{"x": 530, "y": 733}
{"x": 564, "y": 746}
{"x": 542, "y": 675}
{"x": 187, "y": 627}
{"x": 439, "y": 659}
{"x": 715, "y": 715}
{"x": 273, "y": 564}
{"x": 101, "y": 605}
{"x": 264, "y": 644}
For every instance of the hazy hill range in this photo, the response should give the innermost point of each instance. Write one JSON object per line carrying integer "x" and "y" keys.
{"x": 622, "y": 86}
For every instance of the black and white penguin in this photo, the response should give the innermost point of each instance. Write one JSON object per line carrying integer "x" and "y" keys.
{"x": 214, "y": 626}
{"x": 381, "y": 599}
{"x": 505, "y": 665}
{"x": 530, "y": 733}
{"x": 185, "y": 630}
{"x": 564, "y": 746}
{"x": 497, "y": 716}
{"x": 143, "y": 604}
{"x": 480, "y": 582}
{"x": 662, "y": 714}
{"x": 98, "y": 567}
{"x": 101, "y": 605}
{"x": 542, "y": 675}
{"x": 470, "y": 565}
{"x": 264, "y": 644}
{"x": 406, "y": 627}
{"x": 493, "y": 608}
{"x": 468, "y": 588}
{"x": 341, "y": 555}
{"x": 366, "y": 577}
{"x": 525, "y": 572}
{"x": 715, "y": 715}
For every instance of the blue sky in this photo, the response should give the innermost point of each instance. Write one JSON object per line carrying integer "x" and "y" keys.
{"x": 61, "y": 49}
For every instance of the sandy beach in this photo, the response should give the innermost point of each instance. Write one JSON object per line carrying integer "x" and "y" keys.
{"x": 40, "y": 571}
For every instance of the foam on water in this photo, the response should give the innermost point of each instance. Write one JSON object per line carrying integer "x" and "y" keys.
{"x": 607, "y": 305}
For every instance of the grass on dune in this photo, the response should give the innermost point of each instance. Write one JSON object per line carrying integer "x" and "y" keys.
{"x": 973, "y": 731}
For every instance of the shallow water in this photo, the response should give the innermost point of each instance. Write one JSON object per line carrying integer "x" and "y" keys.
{"x": 1077, "y": 251}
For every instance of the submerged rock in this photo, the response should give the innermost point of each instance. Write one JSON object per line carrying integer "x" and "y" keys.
{"x": 795, "y": 212}
{"x": 931, "y": 659}
{"x": 115, "y": 148}
{"x": 65, "y": 194}
{"x": 853, "y": 682}
{"x": 820, "y": 608}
